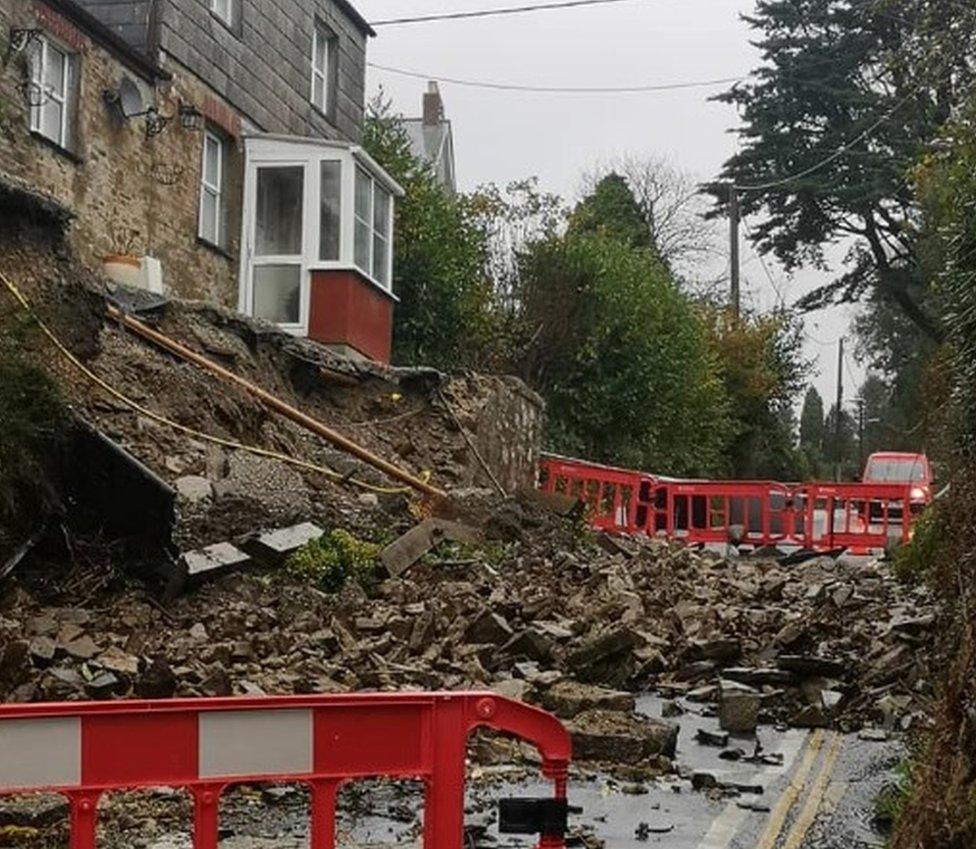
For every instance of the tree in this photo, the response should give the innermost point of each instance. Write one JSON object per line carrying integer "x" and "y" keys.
{"x": 627, "y": 368}
{"x": 448, "y": 316}
{"x": 843, "y": 451}
{"x": 673, "y": 207}
{"x": 761, "y": 365}
{"x": 612, "y": 210}
{"x": 812, "y": 422}
{"x": 847, "y": 98}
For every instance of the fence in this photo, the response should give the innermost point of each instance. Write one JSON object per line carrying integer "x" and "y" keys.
{"x": 858, "y": 517}
{"x": 84, "y": 751}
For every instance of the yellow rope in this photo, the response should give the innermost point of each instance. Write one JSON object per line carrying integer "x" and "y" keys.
{"x": 189, "y": 431}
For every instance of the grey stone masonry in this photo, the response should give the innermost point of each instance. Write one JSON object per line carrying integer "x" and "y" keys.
{"x": 261, "y": 64}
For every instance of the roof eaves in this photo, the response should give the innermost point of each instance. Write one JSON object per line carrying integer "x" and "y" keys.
{"x": 96, "y": 30}
{"x": 356, "y": 17}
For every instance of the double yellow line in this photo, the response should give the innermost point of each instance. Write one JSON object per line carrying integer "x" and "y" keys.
{"x": 777, "y": 819}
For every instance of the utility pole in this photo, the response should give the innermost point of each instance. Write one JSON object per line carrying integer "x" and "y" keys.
{"x": 860, "y": 435}
{"x": 838, "y": 418}
{"x": 734, "y": 251}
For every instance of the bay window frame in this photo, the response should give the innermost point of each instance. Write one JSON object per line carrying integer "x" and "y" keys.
{"x": 269, "y": 150}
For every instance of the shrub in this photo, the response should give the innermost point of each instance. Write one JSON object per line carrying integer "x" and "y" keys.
{"x": 33, "y": 424}
{"x": 335, "y": 558}
{"x": 911, "y": 562}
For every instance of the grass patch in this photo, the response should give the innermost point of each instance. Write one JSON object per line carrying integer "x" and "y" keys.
{"x": 334, "y": 558}
{"x": 890, "y": 803}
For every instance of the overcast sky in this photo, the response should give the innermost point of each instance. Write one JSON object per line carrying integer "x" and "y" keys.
{"x": 503, "y": 136}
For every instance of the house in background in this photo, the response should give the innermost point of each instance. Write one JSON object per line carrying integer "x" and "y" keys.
{"x": 221, "y": 139}
{"x": 432, "y": 138}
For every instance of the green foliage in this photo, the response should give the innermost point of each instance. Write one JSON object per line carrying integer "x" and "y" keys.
{"x": 946, "y": 184}
{"x": 832, "y": 70}
{"x": 624, "y": 360}
{"x": 912, "y": 562}
{"x": 447, "y": 316}
{"x": 334, "y": 558}
{"x": 611, "y": 210}
{"x": 890, "y": 802}
{"x": 761, "y": 365}
{"x": 33, "y": 422}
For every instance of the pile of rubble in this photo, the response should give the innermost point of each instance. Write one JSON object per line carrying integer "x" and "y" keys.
{"x": 539, "y": 610}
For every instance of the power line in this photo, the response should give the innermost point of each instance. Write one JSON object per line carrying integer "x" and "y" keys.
{"x": 485, "y": 13}
{"x": 837, "y": 154}
{"x": 556, "y": 89}
{"x": 762, "y": 262}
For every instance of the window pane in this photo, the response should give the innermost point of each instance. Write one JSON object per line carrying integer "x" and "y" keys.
{"x": 277, "y": 293}
{"x": 362, "y": 245}
{"x": 331, "y": 210}
{"x": 211, "y": 161}
{"x": 281, "y": 193}
{"x": 318, "y": 92}
{"x": 381, "y": 211}
{"x": 321, "y": 50}
{"x": 52, "y": 114}
{"x": 379, "y": 260}
{"x": 364, "y": 194}
{"x": 54, "y": 71}
{"x": 208, "y": 216}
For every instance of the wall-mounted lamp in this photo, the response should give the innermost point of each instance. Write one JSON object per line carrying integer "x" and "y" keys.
{"x": 191, "y": 118}
{"x": 18, "y": 41}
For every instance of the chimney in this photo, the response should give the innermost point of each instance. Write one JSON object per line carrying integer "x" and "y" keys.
{"x": 433, "y": 106}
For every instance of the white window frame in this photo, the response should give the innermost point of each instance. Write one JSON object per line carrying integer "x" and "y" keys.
{"x": 370, "y": 222}
{"x": 321, "y": 35}
{"x": 266, "y": 150}
{"x": 223, "y": 10}
{"x": 216, "y": 190}
{"x": 64, "y": 98}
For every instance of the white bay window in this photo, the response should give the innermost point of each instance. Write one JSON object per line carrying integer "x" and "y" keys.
{"x": 311, "y": 205}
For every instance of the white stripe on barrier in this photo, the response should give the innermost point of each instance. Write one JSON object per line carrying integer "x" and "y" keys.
{"x": 38, "y": 753}
{"x": 255, "y": 742}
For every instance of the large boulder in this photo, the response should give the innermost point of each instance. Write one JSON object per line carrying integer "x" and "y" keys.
{"x": 600, "y": 735}
{"x": 567, "y": 699}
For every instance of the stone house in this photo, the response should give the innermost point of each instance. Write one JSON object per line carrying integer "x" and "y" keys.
{"x": 210, "y": 148}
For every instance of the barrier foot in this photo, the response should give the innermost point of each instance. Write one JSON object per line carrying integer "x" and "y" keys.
{"x": 84, "y": 817}
{"x": 206, "y": 809}
{"x": 323, "y": 828}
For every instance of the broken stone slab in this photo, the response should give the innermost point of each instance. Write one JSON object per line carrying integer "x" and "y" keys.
{"x": 607, "y": 658}
{"x": 514, "y": 688}
{"x": 213, "y": 560}
{"x": 531, "y": 644}
{"x": 738, "y": 712}
{"x": 116, "y": 660}
{"x": 194, "y": 489}
{"x": 570, "y": 698}
{"x": 402, "y": 553}
{"x": 620, "y": 738}
{"x": 274, "y": 546}
{"x": 722, "y": 651}
{"x": 810, "y": 666}
{"x": 710, "y": 738}
{"x": 488, "y": 628}
{"x": 760, "y": 677}
{"x": 42, "y": 650}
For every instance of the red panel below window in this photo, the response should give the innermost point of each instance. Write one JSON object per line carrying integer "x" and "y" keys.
{"x": 346, "y": 309}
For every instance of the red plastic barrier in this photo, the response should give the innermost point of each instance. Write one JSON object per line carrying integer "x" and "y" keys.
{"x": 861, "y": 517}
{"x": 85, "y": 750}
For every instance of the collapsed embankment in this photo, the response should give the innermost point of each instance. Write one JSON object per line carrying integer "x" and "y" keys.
{"x": 940, "y": 813}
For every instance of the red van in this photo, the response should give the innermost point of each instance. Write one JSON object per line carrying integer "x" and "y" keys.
{"x": 902, "y": 467}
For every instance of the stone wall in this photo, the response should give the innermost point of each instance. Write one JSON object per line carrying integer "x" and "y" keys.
{"x": 126, "y": 191}
{"x": 262, "y": 64}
